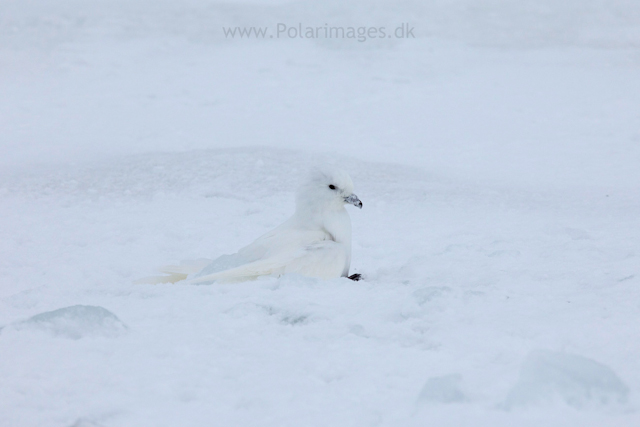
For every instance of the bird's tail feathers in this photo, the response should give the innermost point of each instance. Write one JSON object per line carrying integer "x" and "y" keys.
{"x": 250, "y": 271}
{"x": 156, "y": 280}
{"x": 175, "y": 273}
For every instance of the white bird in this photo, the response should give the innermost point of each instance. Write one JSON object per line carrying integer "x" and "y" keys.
{"x": 314, "y": 242}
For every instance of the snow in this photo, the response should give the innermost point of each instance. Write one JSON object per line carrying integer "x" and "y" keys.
{"x": 496, "y": 155}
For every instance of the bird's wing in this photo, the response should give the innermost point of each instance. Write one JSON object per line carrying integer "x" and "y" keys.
{"x": 324, "y": 259}
{"x": 282, "y": 239}
{"x": 271, "y": 245}
{"x": 285, "y": 249}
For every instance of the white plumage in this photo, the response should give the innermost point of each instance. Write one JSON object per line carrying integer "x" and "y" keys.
{"x": 314, "y": 242}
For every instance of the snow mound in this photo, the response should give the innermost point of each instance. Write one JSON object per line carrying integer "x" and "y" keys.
{"x": 83, "y": 422}
{"x": 75, "y": 322}
{"x": 425, "y": 295}
{"x": 445, "y": 389}
{"x": 575, "y": 380}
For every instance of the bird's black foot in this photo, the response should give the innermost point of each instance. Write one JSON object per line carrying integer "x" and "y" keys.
{"x": 355, "y": 277}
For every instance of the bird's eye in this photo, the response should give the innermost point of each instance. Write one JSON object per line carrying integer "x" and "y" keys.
{"x": 333, "y": 187}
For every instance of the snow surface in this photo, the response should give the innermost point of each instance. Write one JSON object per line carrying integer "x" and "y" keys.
{"x": 496, "y": 156}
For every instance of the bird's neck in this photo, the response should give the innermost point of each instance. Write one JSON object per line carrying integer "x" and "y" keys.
{"x": 338, "y": 224}
{"x": 334, "y": 220}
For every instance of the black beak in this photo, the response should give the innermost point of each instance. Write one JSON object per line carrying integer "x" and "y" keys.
{"x": 353, "y": 200}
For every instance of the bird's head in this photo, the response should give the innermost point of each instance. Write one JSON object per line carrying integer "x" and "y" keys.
{"x": 327, "y": 188}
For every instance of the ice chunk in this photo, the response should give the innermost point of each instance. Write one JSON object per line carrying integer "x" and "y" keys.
{"x": 445, "y": 389}
{"x": 75, "y": 322}
{"x": 578, "y": 381}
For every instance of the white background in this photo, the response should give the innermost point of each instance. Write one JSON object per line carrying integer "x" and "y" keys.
{"x": 497, "y": 156}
